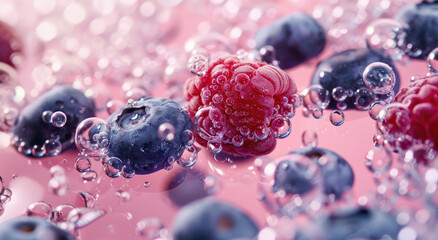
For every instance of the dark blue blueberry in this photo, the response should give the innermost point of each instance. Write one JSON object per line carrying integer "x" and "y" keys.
{"x": 187, "y": 186}
{"x": 31, "y": 228}
{"x": 354, "y": 223}
{"x": 30, "y": 128}
{"x": 134, "y": 134}
{"x": 295, "y": 38}
{"x": 338, "y": 176}
{"x": 422, "y": 32}
{"x": 290, "y": 177}
{"x": 345, "y": 69}
{"x": 213, "y": 220}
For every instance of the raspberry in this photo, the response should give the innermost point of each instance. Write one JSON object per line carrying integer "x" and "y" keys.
{"x": 421, "y": 113}
{"x": 248, "y": 102}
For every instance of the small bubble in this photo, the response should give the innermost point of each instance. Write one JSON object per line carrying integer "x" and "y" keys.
{"x": 47, "y": 116}
{"x": 39, "y": 209}
{"x": 242, "y": 79}
{"x": 317, "y": 113}
{"x": 92, "y": 137}
{"x": 281, "y": 127}
{"x": 214, "y": 147}
{"x": 113, "y": 167}
{"x": 58, "y": 119}
{"x": 315, "y": 97}
{"x": 147, "y": 184}
{"x": 385, "y": 37}
{"x": 83, "y": 164}
{"x": 188, "y": 137}
{"x": 198, "y": 64}
{"x": 61, "y": 212}
{"x": 379, "y": 78}
{"x": 149, "y": 228}
{"x": 166, "y": 131}
{"x": 378, "y": 159}
{"x": 432, "y": 61}
{"x": 52, "y": 147}
{"x": 339, "y": 94}
{"x": 82, "y": 217}
{"x": 337, "y": 117}
{"x": 189, "y": 157}
{"x": 364, "y": 98}
{"x": 237, "y": 140}
{"x": 375, "y": 109}
{"x": 341, "y": 106}
{"x": 267, "y": 54}
{"x": 89, "y": 176}
{"x": 128, "y": 171}
{"x": 297, "y": 100}
{"x": 309, "y": 138}
{"x": 38, "y": 151}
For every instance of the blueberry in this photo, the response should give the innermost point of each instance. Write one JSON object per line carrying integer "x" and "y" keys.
{"x": 295, "y": 39}
{"x": 290, "y": 177}
{"x": 31, "y": 228}
{"x": 31, "y": 130}
{"x": 213, "y": 220}
{"x": 345, "y": 69}
{"x": 134, "y": 136}
{"x": 187, "y": 186}
{"x": 337, "y": 174}
{"x": 422, "y": 32}
{"x": 353, "y": 223}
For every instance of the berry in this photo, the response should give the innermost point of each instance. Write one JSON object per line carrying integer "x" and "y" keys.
{"x": 421, "y": 33}
{"x": 32, "y": 132}
{"x": 353, "y": 223}
{"x": 345, "y": 69}
{"x": 9, "y": 44}
{"x": 420, "y": 118}
{"x": 187, "y": 186}
{"x": 135, "y": 137}
{"x": 247, "y": 102}
{"x": 337, "y": 174}
{"x": 213, "y": 220}
{"x": 295, "y": 39}
{"x": 31, "y": 228}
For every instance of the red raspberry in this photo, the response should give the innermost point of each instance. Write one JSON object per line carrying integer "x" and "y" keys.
{"x": 9, "y": 44}
{"x": 421, "y": 100}
{"x": 246, "y": 101}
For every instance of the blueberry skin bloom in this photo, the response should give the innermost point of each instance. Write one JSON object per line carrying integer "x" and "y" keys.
{"x": 345, "y": 69}
{"x": 134, "y": 136}
{"x": 30, "y": 127}
{"x": 213, "y": 220}
{"x": 422, "y": 28}
{"x": 295, "y": 38}
{"x": 31, "y": 228}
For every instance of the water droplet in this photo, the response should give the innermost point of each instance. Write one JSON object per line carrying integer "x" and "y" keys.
{"x": 92, "y": 137}
{"x": 61, "y": 212}
{"x": 432, "y": 61}
{"x": 379, "y": 78}
{"x": 113, "y": 167}
{"x": 89, "y": 176}
{"x": 166, "y": 131}
{"x": 378, "y": 159}
{"x": 189, "y": 157}
{"x": 39, "y": 209}
{"x": 146, "y": 184}
{"x": 337, "y": 117}
{"x": 52, "y": 147}
{"x": 83, "y": 164}
{"x": 128, "y": 171}
{"x": 262, "y": 132}
{"x": 58, "y": 119}
{"x": 317, "y": 113}
{"x": 309, "y": 138}
{"x": 149, "y": 228}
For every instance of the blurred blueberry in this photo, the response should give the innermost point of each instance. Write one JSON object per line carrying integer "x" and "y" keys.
{"x": 31, "y": 228}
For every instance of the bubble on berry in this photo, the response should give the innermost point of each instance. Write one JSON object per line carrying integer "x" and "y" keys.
{"x": 214, "y": 147}
{"x": 89, "y": 176}
{"x": 242, "y": 79}
{"x": 375, "y": 109}
{"x": 317, "y": 113}
{"x": 128, "y": 171}
{"x": 92, "y": 137}
{"x": 166, "y": 131}
{"x": 61, "y": 212}
{"x": 113, "y": 167}
{"x": 385, "y": 37}
{"x": 296, "y": 99}
{"x": 39, "y": 209}
{"x": 58, "y": 119}
{"x": 378, "y": 159}
{"x": 200, "y": 115}
{"x": 396, "y": 118}
{"x": 198, "y": 64}
{"x": 188, "y": 137}
{"x": 47, "y": 116}
{"x": 309, "y": 138}
{"x": 149, "y": 228}
{"x": 315, "y": 97}
{"x": 379, "y": 78}
{"x": 52, "y": 147}
{"x": 281, "y": 127}
{"x": 261, "y": 132}
{"x": 189, "y": 157}
{"x": 82, "y": 164}
{"x": 364, "y": 98}
{"x": 339, "y": 94}
{"x": 432, "y": 61}
{"x": 38, "y": 151}
{"x": 337, "y": 117}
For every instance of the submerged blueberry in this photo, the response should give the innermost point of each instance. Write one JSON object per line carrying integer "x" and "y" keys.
{"x": 213, "y": 220}
{"x": 33, "y": 131}
{"x": 292, "y": 177}
{"x": 295, "y": 39}
{"x": 422, "y": 31}
{"x": 345, "y": 69}
{"x": 31, "y": 228}
{"x": 135, "y": 138}
{"x": 187, "y": 186}
{"x": 337, "y": 174}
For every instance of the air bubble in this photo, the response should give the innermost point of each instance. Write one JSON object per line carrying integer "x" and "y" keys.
{"x": 309, "y": 138}
{"x": 261, "y": 133}
{"x": 47, "y": 116}
{"x": 128, "y": 171}
{"x": 379, "y": 78}
{"x": 149, "y": 228}
{"x": 89, "y": 176}
{"x": 147, "y": 184}
{"x": 339, "y": 94}
{"x": 281, "y": 127}
{"x": 337, "y": 117}
{"x": 113, "y": 167}
{"x": 5, "y": 197}
{"x": 188, "y": 137}
{"x": 341, "y": 106}
{"x": 82, "y": 217}
{"x": 214, "y": 147}
{"x": 364, "y": 98}
{"x": 237, "y": 140}
{"x": 242, "y": 79}
{"x": 166, "y": 131}
{"x": 52, "y": 147}
{"x": 189, "y": 157}
{"x": 296, "y": 100}
{"x": 58, "y": 119}
{"x": 432, "y": 61}
{"x": 39, "y": 209}
{"x": 315, "y": 97}
{"x": 92, "y": 137}
{"x": 198, "y": 64}
{"x": 61, "y": 212}
{"x": 82, "y": 164}
{"x": 375, "y": 109}
{"x": 317, "y": 113}
{"x": 38, "y": 151}
{"x": 378, "y": 159}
